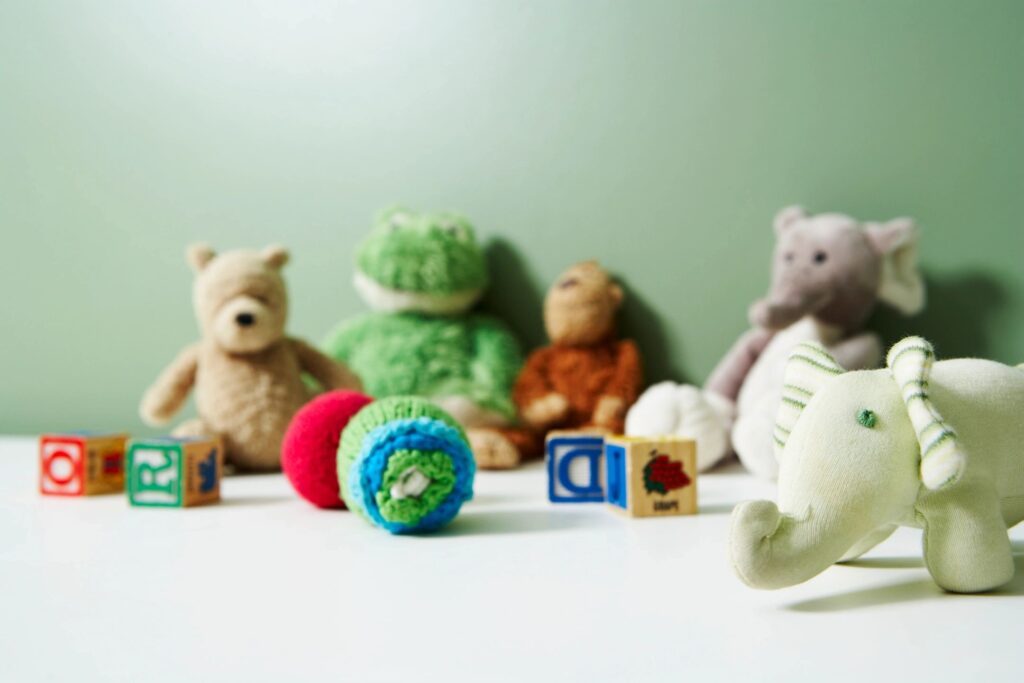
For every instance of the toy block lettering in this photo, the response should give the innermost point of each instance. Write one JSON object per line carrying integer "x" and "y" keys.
{"x": 652, "y": 477}
{"x": 81, "y": 463}
{"x": 171, "y": 472}
{"x": 574, "y": 463}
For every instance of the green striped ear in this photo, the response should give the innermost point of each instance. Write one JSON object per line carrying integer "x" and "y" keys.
{"x": 942, "y": 461}
{"x": 809, "y": 367}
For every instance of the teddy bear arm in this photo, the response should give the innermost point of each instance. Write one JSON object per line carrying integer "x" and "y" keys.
{"x": 330, "y": 374}
{"x": 343, "y": 338}
{"x": 730, "y": 373}
{"x": 625, "y": 382}
{"x": 533, "y": 382}
{"x": 167, "y": 394}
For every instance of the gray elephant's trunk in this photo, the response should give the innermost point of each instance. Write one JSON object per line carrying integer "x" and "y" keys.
{"x": 783, "y": 308}
{"x": 770, "y": 550}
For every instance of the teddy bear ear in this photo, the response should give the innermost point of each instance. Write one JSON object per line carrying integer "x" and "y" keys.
{"x": 785, "y": 218}
{"x": 199, "y": 256}
{"x": 275, "y": 256}
{"x": 618, "y": 296}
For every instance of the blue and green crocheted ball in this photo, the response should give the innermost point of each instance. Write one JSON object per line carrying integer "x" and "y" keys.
{"x": 402, "y": 463}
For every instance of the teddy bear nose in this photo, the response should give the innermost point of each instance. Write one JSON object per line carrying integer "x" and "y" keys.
{"x": 245, "y": 319}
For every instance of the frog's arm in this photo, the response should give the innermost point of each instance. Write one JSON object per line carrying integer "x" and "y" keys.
{"x": 494, "y": 366}
{"x": 342, "y": 340}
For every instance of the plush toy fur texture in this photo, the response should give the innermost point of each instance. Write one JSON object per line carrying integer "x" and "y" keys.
{"x": 937, "y": 446}
{"x": 310, "y": 448}
{"x": 586, "y": 379}
{"x": 405, "y": 465}
{"x": 449, "y": 359}
{"x": 246, "y": 372}
{"x": 828, "y": 273}
{"x": 421, "y": 272}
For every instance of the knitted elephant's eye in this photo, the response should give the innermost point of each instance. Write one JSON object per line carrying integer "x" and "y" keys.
{"x": 820, "y": 257}
{"x": 789, "y": 257}
{"x": 867, "y": 418}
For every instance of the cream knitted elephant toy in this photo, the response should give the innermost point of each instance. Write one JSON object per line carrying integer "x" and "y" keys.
{"x": 828, "y": 273}
{"x": 938, "y": 446}
{"x": 247, "y": 373}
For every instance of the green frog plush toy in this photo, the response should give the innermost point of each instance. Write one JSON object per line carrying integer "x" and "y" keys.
{"x": 421, "y": 273}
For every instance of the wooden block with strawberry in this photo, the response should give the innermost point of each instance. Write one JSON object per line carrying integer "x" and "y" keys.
{"x": 651, "y": 477}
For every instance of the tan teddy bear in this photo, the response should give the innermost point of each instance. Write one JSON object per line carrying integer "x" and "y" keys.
{"x": 247, "y": 373}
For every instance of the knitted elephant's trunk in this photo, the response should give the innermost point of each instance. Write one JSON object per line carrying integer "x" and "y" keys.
{"x": 771, "y": 550}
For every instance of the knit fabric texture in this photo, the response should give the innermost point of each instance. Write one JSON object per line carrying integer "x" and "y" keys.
{"x": 858, "y": 461}
{"x": 472, "y": 356}
{"x": 386, "y": 441}
{"x": 309, "y": 452}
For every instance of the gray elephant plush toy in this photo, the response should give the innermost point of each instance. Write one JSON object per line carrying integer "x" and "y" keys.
{"x": 938, "y": 447}
{"x": 828, "y": 273}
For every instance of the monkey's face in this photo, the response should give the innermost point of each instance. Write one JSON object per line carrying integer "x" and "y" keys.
{"x": 580, "y": 306}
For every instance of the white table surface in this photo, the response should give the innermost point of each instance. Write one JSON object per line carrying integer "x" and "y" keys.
{"x": 265, "y": 587}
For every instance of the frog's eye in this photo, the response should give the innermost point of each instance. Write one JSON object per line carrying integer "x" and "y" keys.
{"x": 867, "y": 418}
{"x": 398, "y": 221}
{"x": 454, "y": 229}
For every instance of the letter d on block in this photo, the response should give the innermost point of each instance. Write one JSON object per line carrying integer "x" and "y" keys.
{"x": 575, "y": 471}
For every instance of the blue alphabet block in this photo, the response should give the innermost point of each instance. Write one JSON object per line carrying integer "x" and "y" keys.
{"x": 575, "y": 471}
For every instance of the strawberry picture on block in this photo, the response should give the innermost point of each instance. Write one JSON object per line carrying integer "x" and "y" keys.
{"x": 662, "y": 474}
{"x": 651, "y": 477}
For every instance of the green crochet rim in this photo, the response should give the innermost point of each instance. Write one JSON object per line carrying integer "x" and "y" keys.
{"x": 434, "y": 464}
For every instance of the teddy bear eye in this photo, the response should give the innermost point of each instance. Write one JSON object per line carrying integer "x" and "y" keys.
{"x": 867, "y": 418}
{"x": 820, "y": 257}
{"x": 789, "y": 257}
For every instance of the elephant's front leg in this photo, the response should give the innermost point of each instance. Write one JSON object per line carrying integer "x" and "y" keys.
{"x": 966, "y": 547}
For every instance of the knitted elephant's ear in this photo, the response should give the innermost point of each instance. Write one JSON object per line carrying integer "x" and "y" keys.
{"x": 809, "y": 367}
{"x": 942, "y": 461}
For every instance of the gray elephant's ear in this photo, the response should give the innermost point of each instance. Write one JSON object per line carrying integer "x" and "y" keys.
{"x": 942, "y": 461}
{"x": 901, "y": 285}
{"x": 808, "y": 368}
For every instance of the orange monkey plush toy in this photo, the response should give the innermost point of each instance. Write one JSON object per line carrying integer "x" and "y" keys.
{"x": 586, "y": 379}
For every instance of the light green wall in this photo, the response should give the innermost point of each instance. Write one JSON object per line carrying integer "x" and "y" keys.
{"x": 658, "y": 137}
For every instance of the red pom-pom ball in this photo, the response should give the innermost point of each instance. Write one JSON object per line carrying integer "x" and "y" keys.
{"x": 309, "y": 452}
